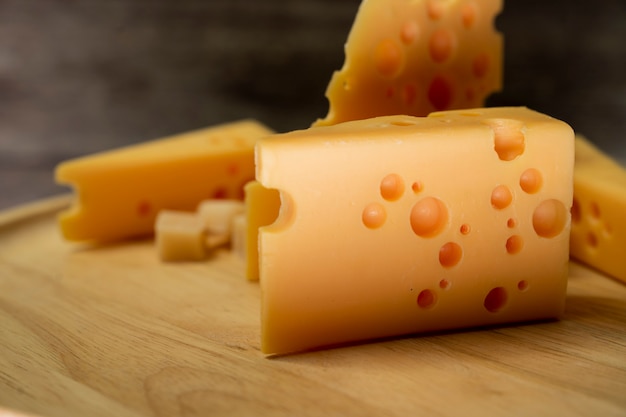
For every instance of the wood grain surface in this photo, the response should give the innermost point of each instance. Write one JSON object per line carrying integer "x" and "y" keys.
{"x": 112, "y": 331}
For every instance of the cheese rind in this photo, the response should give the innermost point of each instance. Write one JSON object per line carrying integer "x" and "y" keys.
{"x": 415, "y": 57}
{"x": 396, "y": 225}
{"x": 598, "y": 235}
{"x": 120, "y": 192}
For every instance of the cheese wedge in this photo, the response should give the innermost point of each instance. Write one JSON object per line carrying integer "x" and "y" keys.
{"x": 120, "y": 192}
{"x": 598, "y": 235}
{"x": 398, "y": 224}
{"x": 415, "y": 57}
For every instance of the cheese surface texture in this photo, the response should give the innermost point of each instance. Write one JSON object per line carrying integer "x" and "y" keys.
{"x": 416, "y": 57}
{"x": 399, "y": 224}
{"x": 598, "y": 235}
{"x": 120, "y": 192}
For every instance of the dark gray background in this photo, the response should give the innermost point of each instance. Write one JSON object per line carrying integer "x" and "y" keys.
{"x": 79, "y": 76}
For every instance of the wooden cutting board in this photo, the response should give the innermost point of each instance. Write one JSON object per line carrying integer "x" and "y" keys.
{"x": 112, "y": 331}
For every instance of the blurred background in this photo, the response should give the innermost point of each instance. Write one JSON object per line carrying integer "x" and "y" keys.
{"x": 80, "y": 76}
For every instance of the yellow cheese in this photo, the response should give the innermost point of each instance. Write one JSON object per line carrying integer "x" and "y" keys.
{"x": 398, "y": 224}
{"x": 121, "y": 191}
{"x": 262, "y": 207}
{"x": 598, "y": 235}
{"x": 415, "y": 57}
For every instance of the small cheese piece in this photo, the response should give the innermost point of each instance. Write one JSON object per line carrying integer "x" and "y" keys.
{"x": 398, "y": 224}
{"x": 262, "y": 208}
{"x": 598, "y": 235}
{"x": 218, "y": 215}
{"x": 180, "y": 236}
{"x": 121, "y": 191}
{"x": 415, "y": 57}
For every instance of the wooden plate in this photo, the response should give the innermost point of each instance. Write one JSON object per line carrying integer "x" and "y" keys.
{"x": 112, "y": 331}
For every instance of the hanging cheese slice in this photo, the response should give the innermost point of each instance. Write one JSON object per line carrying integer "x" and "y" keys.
{"x": 120, "y": 192}
{"x": 398, "y": 224}
{"x": 415, "y": 57}
{"x": 598, "y": 235}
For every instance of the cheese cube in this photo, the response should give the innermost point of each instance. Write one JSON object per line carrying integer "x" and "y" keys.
{"x": 179, "y": 236}
{"x": 398, "y": 224}
{"x": 598, "y": 235}
{"x": 218, "y": 215}
{"x": 120, "y": 192}
{"x": 415, "y": 57}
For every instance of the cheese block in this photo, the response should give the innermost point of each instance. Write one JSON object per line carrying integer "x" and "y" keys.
{"x": 120, "y": 192}
{"x": 598, "y": 235}
{"x": 415, "y": 57}
{"x": 397, "y": 224}
{"x": 262, "y": 207}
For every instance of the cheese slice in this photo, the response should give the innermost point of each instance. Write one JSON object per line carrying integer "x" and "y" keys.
{"x": 598, "y": 235}
{"x": 120, "y": 192}
{"x": 415, "y": 57}
{"x": 398, "y": 224}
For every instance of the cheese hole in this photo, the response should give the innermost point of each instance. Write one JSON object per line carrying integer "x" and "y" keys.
{"x": 444, "y": 284}
{"x": 575, "y": 210}
{"x": 409, "y": 94}
{"x": 428, "y": 217}
{"x": 435, "y": 9}
{"x": 426, "y": 299}
{"x": 409, "y": 32}
{"x": 417, "y": 187}
{"x": 392, "y": 187}
{"x": 595, "y": 210}
{"x": 501, "y": 197}
{"x": 514, "y": 244}
{"x": 220, "y": 193}
{"x": 592, "y": 240}
{"x": 468, "y": 15}
{"x": 480, "y": 65}
{"x": 388, "y": 58}
{"x": 549, "y": 218}
{"x": 465, "y": 229}
{"x": 144, "y": 208}
{"x": 511, "y": 223}
{"x": 440, "y": 93}
{"x": 450, "y": 254}
{"x": 531, "y": 181}
{"x": 522, "y": 285}
{"x": 441, "y": 45}
{"x": 374, "y": 216}
{"x": 495, "y": 300}
{"x": 509, "y": 140}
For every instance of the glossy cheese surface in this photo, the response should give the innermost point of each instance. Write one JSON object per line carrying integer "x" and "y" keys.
{"x": 398, "y": 224}
{"x": 598, "y": 235}
{"x": 415, "y": 57}
{"x": 120, "y": 192}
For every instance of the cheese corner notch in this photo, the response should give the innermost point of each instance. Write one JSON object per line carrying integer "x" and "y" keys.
{"x": 401, "y": 224}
